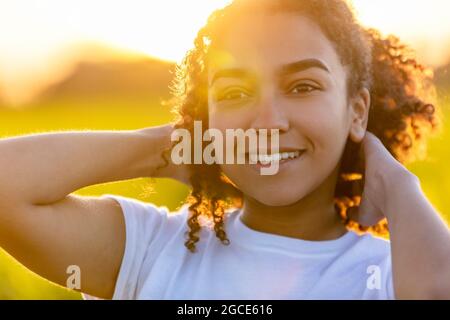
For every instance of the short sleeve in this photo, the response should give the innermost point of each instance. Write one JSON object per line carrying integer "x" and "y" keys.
{"x": 142, "y": 221}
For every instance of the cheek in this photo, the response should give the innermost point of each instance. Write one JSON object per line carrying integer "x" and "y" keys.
{"x": 323, "y": 128}
{"x": 323, "y": 122}
{"x": 238, "y": 118}
{"x": 216, "y": 119}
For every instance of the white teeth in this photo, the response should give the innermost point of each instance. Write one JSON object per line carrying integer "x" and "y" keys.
{"x": 266, "y": 159}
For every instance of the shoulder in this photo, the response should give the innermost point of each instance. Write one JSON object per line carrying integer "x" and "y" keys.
{"x": 377, "y": 244}
{"x": 148, "y": 229}
{"x": 364, "y": 252}
{"x": 369, "y": 248}
{"x": 375, "y": 257}
{"x": 147, "y": 221}
{"x": 142, "y": 208}
{"x": 135, "y": 206}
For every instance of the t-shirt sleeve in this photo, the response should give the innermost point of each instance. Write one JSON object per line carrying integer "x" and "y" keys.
{"x": 142, "y": 222}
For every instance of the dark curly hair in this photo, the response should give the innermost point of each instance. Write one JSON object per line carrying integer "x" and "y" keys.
{"x": 402, "y": 113}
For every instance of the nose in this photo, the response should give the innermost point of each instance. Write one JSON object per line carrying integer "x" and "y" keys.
{"x": 270, "y": 115}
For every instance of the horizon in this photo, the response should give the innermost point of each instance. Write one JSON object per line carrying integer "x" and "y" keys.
{"x": 43, "y": 50}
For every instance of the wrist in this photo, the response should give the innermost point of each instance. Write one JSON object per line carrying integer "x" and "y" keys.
{"x": 158, "y": 163}
{"x": 156, "y": 141}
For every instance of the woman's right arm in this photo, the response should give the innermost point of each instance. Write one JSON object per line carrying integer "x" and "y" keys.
{"x": 45, "y": 227}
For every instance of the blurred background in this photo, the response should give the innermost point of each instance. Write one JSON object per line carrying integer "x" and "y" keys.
{"x": 76, "y": 65}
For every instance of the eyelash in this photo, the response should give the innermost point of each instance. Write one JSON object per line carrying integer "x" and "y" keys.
{"x": 313, "y": 88}
{"x": 223, "y": 96}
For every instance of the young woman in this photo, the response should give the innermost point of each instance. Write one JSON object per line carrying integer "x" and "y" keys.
{"x": 348, "y": 104}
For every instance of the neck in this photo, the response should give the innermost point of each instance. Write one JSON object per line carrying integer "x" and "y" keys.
{"x": 313, "y": 217}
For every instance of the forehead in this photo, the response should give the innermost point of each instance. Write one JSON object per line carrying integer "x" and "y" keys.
{"x": 263, "y": 42}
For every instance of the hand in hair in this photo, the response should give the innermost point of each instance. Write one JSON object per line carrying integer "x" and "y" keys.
{"x": 420, "y": 239}
{"x": 382, "y": 174}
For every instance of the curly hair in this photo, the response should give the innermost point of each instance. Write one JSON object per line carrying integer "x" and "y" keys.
{"x": 402, "y": 112}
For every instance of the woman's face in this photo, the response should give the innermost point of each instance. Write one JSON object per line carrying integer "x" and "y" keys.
{"x": 280, "y": 72}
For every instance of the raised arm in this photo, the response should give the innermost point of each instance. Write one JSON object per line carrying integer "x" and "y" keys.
{"x": 420, "y": 239}
{"x": 47, "y": 228}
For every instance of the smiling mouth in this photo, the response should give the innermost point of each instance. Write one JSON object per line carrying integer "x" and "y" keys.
{"x": 280, "y": 157}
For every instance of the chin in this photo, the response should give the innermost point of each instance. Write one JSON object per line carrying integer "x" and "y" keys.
{"x": 279, "y": 197}
{"x": 275, "y": 191}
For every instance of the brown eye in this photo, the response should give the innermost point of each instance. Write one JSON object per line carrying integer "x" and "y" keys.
{"x": 303, "y": 88}
{"x": 233, "y": 95}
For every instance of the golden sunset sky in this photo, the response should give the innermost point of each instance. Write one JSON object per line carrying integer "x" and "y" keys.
{"x": 35, "y": 34}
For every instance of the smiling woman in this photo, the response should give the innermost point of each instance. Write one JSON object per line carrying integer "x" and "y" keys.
{"x": 260, "y": 69}
{"x": 348, "y": 108}
{"x": 251, "y": 71}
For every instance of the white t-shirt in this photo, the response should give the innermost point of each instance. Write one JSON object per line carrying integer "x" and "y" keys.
{"x": 256, "y": 265}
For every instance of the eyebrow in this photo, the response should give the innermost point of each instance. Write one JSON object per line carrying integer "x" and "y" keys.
{"x": 287, "y": 69}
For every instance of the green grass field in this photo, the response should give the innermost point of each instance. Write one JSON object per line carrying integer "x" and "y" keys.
{"x": 16, "y": 282}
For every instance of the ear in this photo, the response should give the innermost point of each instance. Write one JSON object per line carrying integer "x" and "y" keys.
{"x": 359, "y": 115}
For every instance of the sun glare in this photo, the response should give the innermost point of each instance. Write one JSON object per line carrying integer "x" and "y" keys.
{"x": 34, "y": 31}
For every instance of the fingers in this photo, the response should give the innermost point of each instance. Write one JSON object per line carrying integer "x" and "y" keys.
{"x": 371, "y": 143}
{"x": 375, "y": 149}
{"x": 371, "y": 138}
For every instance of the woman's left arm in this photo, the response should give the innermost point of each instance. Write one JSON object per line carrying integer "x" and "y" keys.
{"x": 420, "y": 239}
